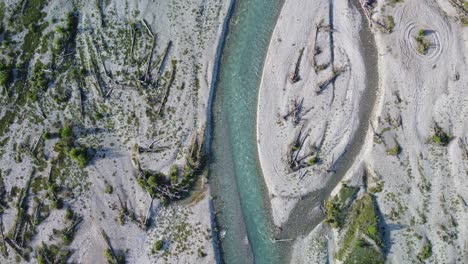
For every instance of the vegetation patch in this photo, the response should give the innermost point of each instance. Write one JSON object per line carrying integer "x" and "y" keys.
{"x": 440, "y": 137}
{"x": 423, "y": 43}
{"x": 390, "y": 23}
{"x": 426, "y": 251}
{"x": 337, "y": 207}
{"x": 362, "y": 240}
{"x": 395, "y": 151}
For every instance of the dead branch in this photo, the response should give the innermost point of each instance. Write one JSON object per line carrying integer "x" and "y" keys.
{"x": 148, "y": 28}
{"x": 322, "y": 85}
{"x": 148, "y": 212}
{"x": 294, "y": 76}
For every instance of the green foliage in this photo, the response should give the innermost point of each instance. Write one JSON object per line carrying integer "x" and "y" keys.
{"x": 158, "y": 245}
{"x": 80, "y": 155}
{"x": 390, "y": 23}
{"x": 314, "y": 161}
{"x": 377, "y": 188}
{"x": 47, "y": 135}
{"x": 173, "y": 174}
{"x": 55, "y": 252}
{"x": 121, "y": 217}
{"x": 39, "y": 78}
{"x": 31, "y": 42}
{"x": 69, "y": 214}
{"x": 32, "y": 13}
{"x": 6, "y": 73}
{"x": 108, "y": 188}
{"x": 108, "y": 256}
{"x": 5, "y": 122}
{"x": 65, "y": 36}
{"x": 440, "y": 137}
{"x": 66, "y": 132}
{"x": 336, "y": 208}
{"x": 56, "y": 203}
{"x": 364, "y": 253}
{"x": 426, "y": 251}
{"x": 423, "y": 43}
{"x": 361, "y": 220}
{"x": 395, "y": 151}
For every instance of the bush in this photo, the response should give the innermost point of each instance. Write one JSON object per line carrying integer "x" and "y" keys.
{"x": 69, "y": 214}
{"x": 390, "y": 23}
{"x": 80, "y": 155}
{"x": 423, "y": 44}
{"x": 314, "y": 161}
{"x": 173, "y": 174}
{"x": 108, "y": 256}
{"x": 153, "y": 181}
{"x": 56, "y": 203}
{"x": 426, "y": 251}
{"x": 108, "y": 188}
{"x": 6, "y": 73}
{"x": 66, "y": 132}
{"x": 440, "y": 137}
{"x": 395, "y": 150}
{"x": 158, "y": 245}
{"x": 38, "y": 78}
{"x": 46, "y": 135}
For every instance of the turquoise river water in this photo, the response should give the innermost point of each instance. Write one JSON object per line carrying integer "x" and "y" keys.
{"x": 239, "y": 192}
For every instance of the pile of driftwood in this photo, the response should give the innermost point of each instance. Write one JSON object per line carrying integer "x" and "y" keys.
{"x": 296, "y": 111}
{"x": 160, "y": 186}
{"x": 461, "y": 6}
{"x": 316, "y": 49}
{"x": 295, "y": 161}
{"x": 367, "y": 6}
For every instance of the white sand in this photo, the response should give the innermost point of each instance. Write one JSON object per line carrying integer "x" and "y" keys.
{"x": 332, "y": 119}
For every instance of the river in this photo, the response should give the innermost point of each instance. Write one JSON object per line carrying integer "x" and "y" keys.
{"x": 238, "y": 188}
{"x": 243, "y": 212}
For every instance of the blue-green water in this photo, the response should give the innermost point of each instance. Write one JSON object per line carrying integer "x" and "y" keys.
{"x": 238, "y": 187}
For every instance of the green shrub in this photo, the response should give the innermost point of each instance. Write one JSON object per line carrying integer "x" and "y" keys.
{"x": 69, "y": 214}
{"x": 158, "y": 245}
{"x": 47, "y": 135}
{"x": 314, "y": 161}
{"x": 153, "y": 181}
{"x": 56, "y": 203}
{"x": 336, "y": 207}
{"x": 108, "y": 188}
{"x": 364, "y": 253}
{"x": 6, "y": 73}
{"x": 173, "y": 174}
{"x": 423, "y": 43}
{"x": 66, "y": 131}
{"x": 390, "y": 23}
{"x": 38, "y": 79}
{"x": 426, "y": 251}
{"x": 361, "y": 220}
{"x": 440, "y": 137}
{"x": 80, "y": 155}
{"x": 108, "y": 256}
{"x": 395, "y": 150}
